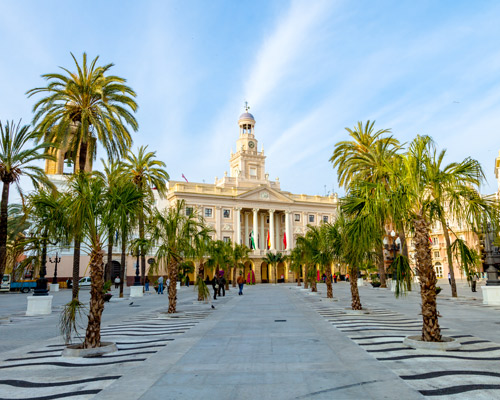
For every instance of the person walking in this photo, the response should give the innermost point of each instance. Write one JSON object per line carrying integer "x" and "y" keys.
{"x": 160, "y": 285}
{"x": 168, "y": 284}
{"x": 187, "y": 281}
{"x": 474, "y": 282}
{"x": 117, "y": 282}
{"x": 241, "y": 282}
{"x": 146, "y": 284}
{"x": 334, "y": 278}
{"x": 449, "y": 278}
{"x": 222, "y": 284}
{"x": 215, "y": 285}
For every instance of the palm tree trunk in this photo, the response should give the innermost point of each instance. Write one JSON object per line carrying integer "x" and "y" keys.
{"x": 141, "y": 236}
{"x": 76, "y": 268}
{"x": 381, "y": 266}
{"x": 404, "y": 246}
{"x": 355, "y": 300}
{"x": 3, "y": 228}
{"x": 201, "y": 271}
{"x": 122, "y": 267}
{"x": 173, "y": 272}
{"x": 82, "y": 156}
{"x": 306, "y": 279}
{"x": 450, "y": 257}
{"x": 431, "y": 331}
{"x": 93, "y": 333}
{"x": 109, "y": 264}
{"x": 329, "y": 290}
{"x": 314, "y": 285}
{"x": 233, "y": 281}
{"x": 275, "y": 273}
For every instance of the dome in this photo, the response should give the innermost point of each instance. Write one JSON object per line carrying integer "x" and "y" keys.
{"x": 247, "y": 115}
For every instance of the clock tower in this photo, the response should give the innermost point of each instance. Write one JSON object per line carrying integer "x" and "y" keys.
{"x": 248, "y": 163}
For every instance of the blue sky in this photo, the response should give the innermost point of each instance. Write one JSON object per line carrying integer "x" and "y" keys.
{"x": 307, "y": 68}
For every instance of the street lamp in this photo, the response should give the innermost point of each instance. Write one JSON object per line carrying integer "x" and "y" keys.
{"x": 56, "y": 261}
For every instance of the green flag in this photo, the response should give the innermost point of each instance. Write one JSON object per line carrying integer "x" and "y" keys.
{"x": 252, "y": 240}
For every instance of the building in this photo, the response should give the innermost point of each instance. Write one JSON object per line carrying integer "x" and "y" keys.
{"x": 242, "y": 205}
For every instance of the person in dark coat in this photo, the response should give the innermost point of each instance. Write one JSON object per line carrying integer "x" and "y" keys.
{"x": 215, "y": 286}
{"x": 222, "y": 284}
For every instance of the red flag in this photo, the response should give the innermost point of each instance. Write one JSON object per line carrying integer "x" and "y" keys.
{"x": 268, "y": 240}
{"x": 185, "y": 178}
{"x": 284, "y": 240}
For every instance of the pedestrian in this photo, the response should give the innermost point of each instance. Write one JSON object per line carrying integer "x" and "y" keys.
{"x": 215, "y": 285}
{"x": 449, "y": 278}
{"x": 323, "y": 277}
{"x": 117, "y": 282}
{"x": 241, "y": 282}
{"x": 347, "y": 278}
{"x": 168, "y": 284}
{"x": 335, "y": 278}
{"x": 146, "y": 284}
{"x": 69, "y": 283}
{"x": 474, "y": 282}
{"x": 222, "y": 284}
{"x": 160, "y": 285}
{"x": 187, "y": 281}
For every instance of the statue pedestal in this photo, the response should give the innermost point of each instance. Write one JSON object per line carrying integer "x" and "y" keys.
{"x": 491, "y": 295}
{"x": 54, "y": 287}
{"x": 39, "y": 305}
{"x": 136, "y": 291}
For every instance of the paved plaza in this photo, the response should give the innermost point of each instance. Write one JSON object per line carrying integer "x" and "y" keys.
{"x": 274, "y": 342}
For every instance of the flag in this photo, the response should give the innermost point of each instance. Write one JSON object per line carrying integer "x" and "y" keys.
{"x": 252, "y": 240}
{"x": 185, "y": 178}
{"x": 268, "y": 240}
{"x": 284, "y": 240}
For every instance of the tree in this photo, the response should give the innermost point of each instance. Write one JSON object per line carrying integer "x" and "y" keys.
{"x": 367, "y": 157}
{"x": 174, "y": 234}
{"x": 306, "y": 246}
{"x": 273, "y": 259}
{"x": 87, "y": 204}
{"x": 147, "y": 173}
{"x": 238, "y": 256}
{"x": 220, "y": 258}
{"x": 17, "y": 156}
{"x": 80, "y": 109}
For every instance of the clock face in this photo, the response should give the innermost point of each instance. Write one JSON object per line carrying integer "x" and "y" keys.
{"x": 251, "y": 145}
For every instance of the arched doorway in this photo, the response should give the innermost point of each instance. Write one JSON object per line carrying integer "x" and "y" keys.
{"x": 249, "y": 270}
{"x": 281, "y": 272}
{"x": 115, "y": 269}
{"x": 264, "y": 272}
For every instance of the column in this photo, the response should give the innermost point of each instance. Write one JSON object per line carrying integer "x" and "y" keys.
{"x": 271, "y": 228}
{"x": 287, "y": 230}
{"x": 245, "y": 241}
{"x": 279, "y": 245}
{"x": 255, "y": 225}
{"x": 218, "y": 218}
{"x": 237, "y": 215}
{"x": 263, "y": 238}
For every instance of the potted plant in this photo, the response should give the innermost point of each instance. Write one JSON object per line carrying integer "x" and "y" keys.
{"x": 106, "y": 291}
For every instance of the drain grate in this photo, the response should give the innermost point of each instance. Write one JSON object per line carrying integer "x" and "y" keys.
{"x": 280, "y": 320}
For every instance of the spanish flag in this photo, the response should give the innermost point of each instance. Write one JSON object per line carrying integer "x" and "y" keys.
{"x": 284, "y": 240}
{"x": 268, "y": 240}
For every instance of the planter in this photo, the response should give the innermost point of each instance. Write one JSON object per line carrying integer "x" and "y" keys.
{"x": 447, "y": 343}
{"x": 375, "y": 284}
{"x": 438, "y": 290}
{"x": 107, "y": 296}
{"x": 77, "y": 351}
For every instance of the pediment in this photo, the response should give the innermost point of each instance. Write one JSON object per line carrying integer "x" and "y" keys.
{"x": 265, "y": 193}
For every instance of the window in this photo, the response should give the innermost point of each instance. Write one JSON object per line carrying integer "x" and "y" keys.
{"x": 208, "y": 212}
{"x": 226, "y": 213}
{"x": 435, "y": 241}
{"x": 253, "y": 172}
{"x": 439, "y": 270}
{"x": 436, "y": 254}
{"x": 297, "y": 217}
{"x": 226, "y": 239}
{"x": 189, "y": 211}
{"x": 267, "y": 219}
{"x": 325, "y": 218}
{"x": 311, "y": 218}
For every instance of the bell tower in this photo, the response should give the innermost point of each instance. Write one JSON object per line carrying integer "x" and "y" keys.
{"x": 248, "y": 163}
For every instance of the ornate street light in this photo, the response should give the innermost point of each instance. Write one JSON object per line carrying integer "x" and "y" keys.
{"x": 56, "y": 261}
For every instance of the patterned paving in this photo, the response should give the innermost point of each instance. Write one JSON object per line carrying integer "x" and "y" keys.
{"x": 52, "y": 376}
{"x": 472, "y": 372}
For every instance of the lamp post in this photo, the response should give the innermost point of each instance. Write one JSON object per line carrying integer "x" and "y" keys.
{"x": 56, "y": 261}
{"x": 137, "y": 278}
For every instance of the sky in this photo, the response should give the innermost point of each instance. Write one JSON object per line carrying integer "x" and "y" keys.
{"x": 308, "y": 70}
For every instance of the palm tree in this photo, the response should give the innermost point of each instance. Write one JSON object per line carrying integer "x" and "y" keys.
{"x": 87, "y": 203}
{"x": 17, "y": 156}
{"x": 174, "y": 234}
{"x": 296, "y": 262}
{"x": 147, "y": 173}
{"x": 273, "y": 259}
{"x": 123, "y": 206}
{"x": 80, "y": 109}
{"x": 238, "y": 256}
{"x": 220, "y": 258}
{"x": 367, "y": 157}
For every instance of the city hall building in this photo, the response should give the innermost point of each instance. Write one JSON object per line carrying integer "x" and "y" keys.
{"x": 242, "y": 207}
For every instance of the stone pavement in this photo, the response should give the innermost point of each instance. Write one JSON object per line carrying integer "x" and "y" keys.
{"x": 276, "y": 342}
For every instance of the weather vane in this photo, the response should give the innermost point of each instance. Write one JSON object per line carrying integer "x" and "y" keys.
{"x": 247, "y": 107}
